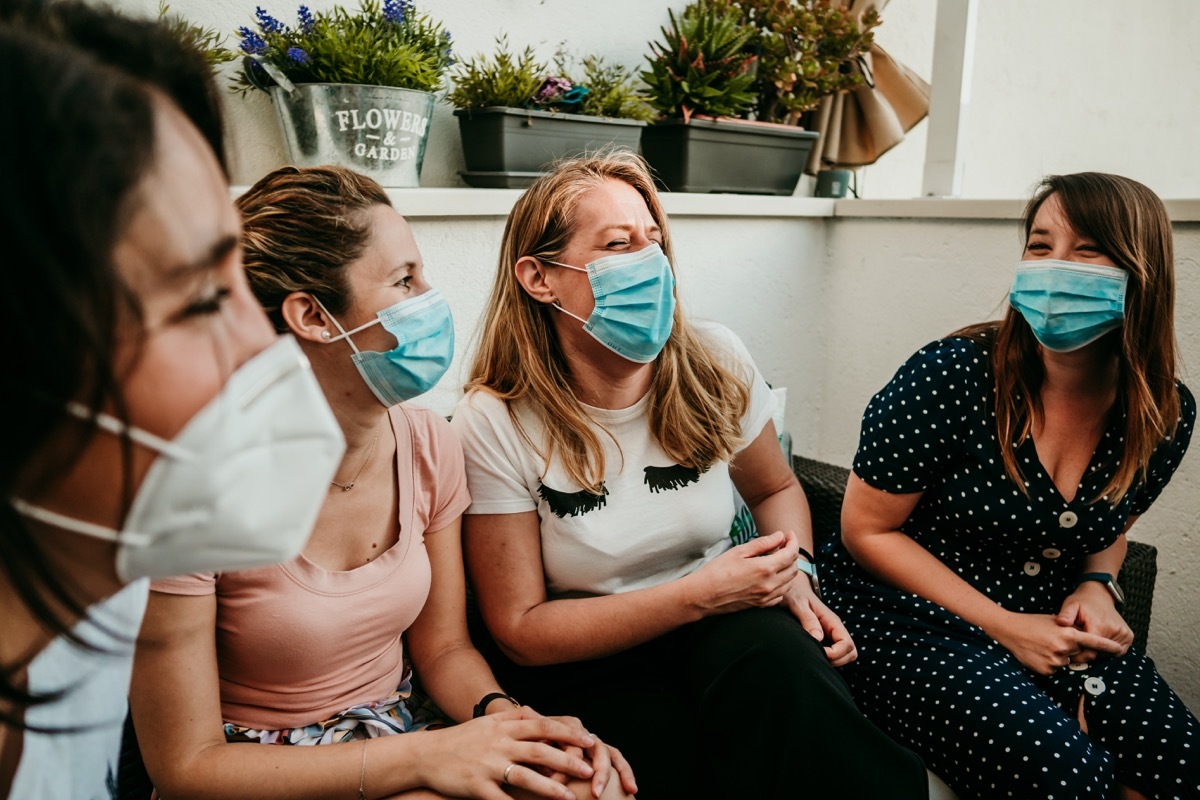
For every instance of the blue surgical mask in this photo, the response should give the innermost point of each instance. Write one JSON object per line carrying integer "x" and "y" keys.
{"x": 635, "y": 302}
{"x": 1069, "y": 305}
{"x": 424, "y": 332}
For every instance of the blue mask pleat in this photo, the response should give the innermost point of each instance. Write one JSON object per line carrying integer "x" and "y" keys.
{"x": 1069, "y": 305}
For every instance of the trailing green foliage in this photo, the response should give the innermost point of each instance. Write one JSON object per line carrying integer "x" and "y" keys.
{"x": 702, "y": 65}
{"x": 521, "y": 80}
{"x": 807, "y": 50}
{"x": 612, "y": 92}
{"x": 388, "y": 45}
{"x": 206, "y": 40}
{"x": 503, "y": 79}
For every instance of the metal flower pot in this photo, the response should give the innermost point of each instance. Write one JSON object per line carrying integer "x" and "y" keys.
{"x": 377, "y": 130}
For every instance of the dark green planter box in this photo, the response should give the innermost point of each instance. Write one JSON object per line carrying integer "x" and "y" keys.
{"x": 508, "y": 147}
{"x": 719, "y": 156}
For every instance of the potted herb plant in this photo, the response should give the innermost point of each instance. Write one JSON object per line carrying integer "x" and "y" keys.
{"x": 732, "y": 79}
{"x": 351, "y": 88}
{"x": 516, "y": 116}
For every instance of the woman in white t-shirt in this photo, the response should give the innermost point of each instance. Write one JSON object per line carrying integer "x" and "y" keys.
{"x": 605, "y": 436}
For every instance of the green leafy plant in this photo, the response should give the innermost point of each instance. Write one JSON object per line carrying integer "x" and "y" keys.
{"x": 380, "y": 45}
{"x": 520, "y": 80}
{"x": 702, "y": 65}
{"x": 612, "y": 91}
{"x": 806, "y": 49}
{"x": 207, "y": 40}
{"x": 503, "y": 79}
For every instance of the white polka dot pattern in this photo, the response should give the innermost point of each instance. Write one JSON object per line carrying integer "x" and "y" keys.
{"x": 985, "y": 724}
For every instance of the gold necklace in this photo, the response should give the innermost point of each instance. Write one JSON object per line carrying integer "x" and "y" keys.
{"x": 345, "y": 487}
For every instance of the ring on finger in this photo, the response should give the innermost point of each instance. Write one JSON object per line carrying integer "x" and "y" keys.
{"x": 507, "y": 770}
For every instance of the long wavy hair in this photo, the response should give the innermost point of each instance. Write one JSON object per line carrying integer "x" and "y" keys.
{"x": 77, "y": 89}
{"x": 1129, "y": 224}
{"x": 697, "y": 403}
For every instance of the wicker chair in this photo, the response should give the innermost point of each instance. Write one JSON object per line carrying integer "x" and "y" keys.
{"x": 826, "y": 483}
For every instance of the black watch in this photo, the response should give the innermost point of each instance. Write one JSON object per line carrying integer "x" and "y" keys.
{"x": 1109, "y": 582}
{"x": 481, "y": 706}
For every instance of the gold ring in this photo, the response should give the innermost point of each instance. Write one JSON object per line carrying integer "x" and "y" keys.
{"x": 507, "y": 770}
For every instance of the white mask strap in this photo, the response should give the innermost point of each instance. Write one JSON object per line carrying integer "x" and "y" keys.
{"x": 568, "y": 313}
{"x": 77, "y": 525}
{"x": 559, "y": 264}
{"x": 111, "y": 424}
{"x": 342, "y": 332}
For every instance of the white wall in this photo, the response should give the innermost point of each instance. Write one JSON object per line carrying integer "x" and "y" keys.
{"x": 1061, "y": 86}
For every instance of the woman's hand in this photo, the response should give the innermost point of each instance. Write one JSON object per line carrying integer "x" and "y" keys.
{"x": 473, "y": 759}
{"x": 1090, "y": 608}
{"x": 606, "y": 760}
{"x": 820, "y": 622}
{"x": 1043, "y": 645}
{"x": 756, "y": 574}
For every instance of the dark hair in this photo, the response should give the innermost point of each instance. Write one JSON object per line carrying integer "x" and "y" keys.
{"x": 77, "y": 96}
{"x": 1129, "y": 223}
{"x": 300, "y": 229}
{"x": 147, "y": 50}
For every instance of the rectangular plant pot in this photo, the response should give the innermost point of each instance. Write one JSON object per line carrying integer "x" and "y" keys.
{"x": 504, "y": 146}
{"x": 722, "y": 156}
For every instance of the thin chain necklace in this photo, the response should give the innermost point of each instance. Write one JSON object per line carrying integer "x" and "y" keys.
{"x": 345, "y": 487}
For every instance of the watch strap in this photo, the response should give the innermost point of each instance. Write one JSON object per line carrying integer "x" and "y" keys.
{"x": 808, "y": 565}
{"x": 481, "y": 706}
{"x": 1109, "y": 582}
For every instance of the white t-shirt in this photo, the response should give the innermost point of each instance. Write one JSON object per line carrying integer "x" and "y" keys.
{"x": 81, "y": 764}
{"x": 655, "y": 522}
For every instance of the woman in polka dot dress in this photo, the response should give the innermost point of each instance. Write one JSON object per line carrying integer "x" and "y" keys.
{"x": 996, "y": 477}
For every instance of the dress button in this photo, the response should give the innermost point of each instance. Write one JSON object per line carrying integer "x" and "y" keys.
{"x": 1052, "y": 552}
{"x": 1094, "y": 686}
{"x": 1076, "y": 667}
{"x": 1032, "y": 568}
{"x": 1067, "y": 519}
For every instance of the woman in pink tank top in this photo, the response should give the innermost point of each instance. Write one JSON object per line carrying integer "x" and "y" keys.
{"x": 323, "y": 649}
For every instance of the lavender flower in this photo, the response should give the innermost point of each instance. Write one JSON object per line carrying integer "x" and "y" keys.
{"x": 395, "y": 11}
{"x": 268, "y": 23}
{"x": 299, "y": 56}
{"x": 252, "y": 43}
{"x": 306, "y": 18}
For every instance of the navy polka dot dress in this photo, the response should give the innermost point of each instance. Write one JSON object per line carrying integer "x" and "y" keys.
{"x": 938, "y": 684}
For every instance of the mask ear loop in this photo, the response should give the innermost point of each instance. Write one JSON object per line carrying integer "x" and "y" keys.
{"x": 554, "y": 303}
{"x": 342, "y": 332}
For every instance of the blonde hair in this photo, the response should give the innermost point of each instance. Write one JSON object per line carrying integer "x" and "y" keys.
{"x": 1129, "y": 223}
{"x": 697, "y": 404}
{"x": 300, "y": 228}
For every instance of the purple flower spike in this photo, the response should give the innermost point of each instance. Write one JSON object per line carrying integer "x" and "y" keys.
{"x": 395, "y": 11}
{"x": 268, "y": 23}
{"x": 252, "y": 43}
{"x": 298, "y": 55}
{"x": 306, "y": 18}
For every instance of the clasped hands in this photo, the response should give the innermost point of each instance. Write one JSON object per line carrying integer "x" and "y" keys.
{"x": 1087, "y": 626}
{"x": 762, "y": 573}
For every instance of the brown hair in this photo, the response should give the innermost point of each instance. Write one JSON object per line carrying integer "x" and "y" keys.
{"x": 1128, "y": 223}
{"x": 300, "y": 228}
{"x": 698, "y": 404}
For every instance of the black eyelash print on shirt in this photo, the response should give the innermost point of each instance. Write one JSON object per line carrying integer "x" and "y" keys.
{"x": 673, "y": 477}
{"x": 572, "y": 504}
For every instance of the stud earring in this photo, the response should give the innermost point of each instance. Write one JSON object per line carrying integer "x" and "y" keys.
{"x": 324, "y": 334}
